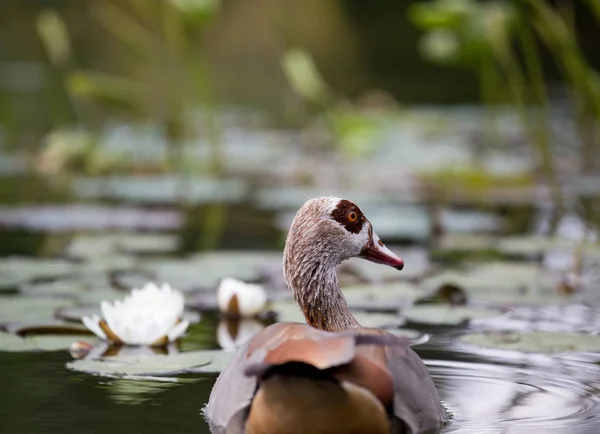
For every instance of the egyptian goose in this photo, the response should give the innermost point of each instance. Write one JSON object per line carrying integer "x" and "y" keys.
{"x": 329, "y": 375}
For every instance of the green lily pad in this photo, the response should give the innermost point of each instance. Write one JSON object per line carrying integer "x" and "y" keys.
{"x": 150, "y": 365}
{"x": 58, "y": 288}
{"x": 92, "y": 246}
{"x": 529, "y": 245}
{"x": 496, "y": 274}
{"x": 386, "y": 298}
{"x": 98, "y": 295}
{"x": 290, "y": 312}
{"x": 103, "y": 264}
{"x": 17, "y": 270}
{"x": 467, "y": 242}
{"x": 168, "y": 189}
{"x": 502, "y": 282}
{"x": 294, "y": 197}
{"x": 13, "y": 343}
{"x": 443, "y": 314}
{"x": 29, "y": 309}
{"x": 534, "y": 342}
{"x": 206, "y": 270}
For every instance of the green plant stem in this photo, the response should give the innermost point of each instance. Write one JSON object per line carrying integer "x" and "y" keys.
{"x": 488, "y": 85}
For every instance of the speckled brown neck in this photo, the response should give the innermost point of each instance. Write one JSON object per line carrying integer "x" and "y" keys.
{"x": 310, "y": 257}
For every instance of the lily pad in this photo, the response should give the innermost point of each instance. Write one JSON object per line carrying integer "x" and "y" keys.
{"x": 501, "y": 282}
{"x": 92, "y": 246}
{"x": 167, "y": 189}
{"x": 530, "y": 245}
{"x": 151, "y": 365}
{"x": 29, "y": 309}
{"x": 443, "y": 314}
{"x": 17, "y": 270}
{"x": 534, "y": 342}
{"x": 206, "y": 270}
{"x": 290, "y": 312}
{"x": 58, "y": 288}
{"x": 98, "y": 295}
{"x": 467, "y": 242}
{"x": 13, "y": 343}
{"x": 382, "y": 298}
{"x": 88, "y": 217}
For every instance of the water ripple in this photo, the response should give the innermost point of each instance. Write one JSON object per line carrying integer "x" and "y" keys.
{"x": 493, "y": 398}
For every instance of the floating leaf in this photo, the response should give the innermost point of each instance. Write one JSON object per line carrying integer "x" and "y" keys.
{"x": 206, "y": 270}
{"x": 91, "y": 246}
{"x": 58, "y": 288}
{"x": 438, "y": 314}
{"x": 534, "y": 342}
{"x": 98, "y": 295}
{"x": 382, "y": 298}
{"x": 29, "y": 309}
{"x": 88, "y": 217}
{"x": 165, "y": 189}
{"x": 151, "y": 365}
{"x": 501, "y": 282}
{"x": 290, "y": 312}
{"x": 13, "y": 343}
{"x": 467, "y": 242}
{"x": 22, "y": 270}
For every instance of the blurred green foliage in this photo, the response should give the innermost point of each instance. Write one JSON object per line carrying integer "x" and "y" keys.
{"x": 502, "y": 42}
{"x": 167, "y": 72}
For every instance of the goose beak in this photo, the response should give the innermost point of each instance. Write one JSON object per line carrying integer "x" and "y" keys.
{"x": 377, "y": 252}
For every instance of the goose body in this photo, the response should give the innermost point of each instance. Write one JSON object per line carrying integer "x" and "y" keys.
{"x": 329, "y": 375}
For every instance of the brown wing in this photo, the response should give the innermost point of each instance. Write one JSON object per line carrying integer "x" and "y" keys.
{"x": 277, "y": 344}
{"x": 416, "y": 400}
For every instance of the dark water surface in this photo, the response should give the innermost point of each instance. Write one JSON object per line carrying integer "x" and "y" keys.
{"x": 485, "y": 396}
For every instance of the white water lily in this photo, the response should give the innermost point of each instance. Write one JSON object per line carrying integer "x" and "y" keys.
{"x": 237, "y": 298}
{"x": 151, "y": 315}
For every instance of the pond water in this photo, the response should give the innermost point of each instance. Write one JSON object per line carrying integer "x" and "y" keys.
{"x": 505, "y": 316}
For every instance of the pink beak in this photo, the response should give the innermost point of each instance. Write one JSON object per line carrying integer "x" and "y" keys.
{"x": 377, "y": 252}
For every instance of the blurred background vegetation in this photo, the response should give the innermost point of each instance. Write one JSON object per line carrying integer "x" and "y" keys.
{"x": 147, "y": 87}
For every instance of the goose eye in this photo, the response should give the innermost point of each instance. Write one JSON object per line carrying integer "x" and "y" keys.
{"x": 352, "y": 216}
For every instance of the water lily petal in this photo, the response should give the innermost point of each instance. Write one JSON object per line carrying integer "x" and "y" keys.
{"x": 93, "y": 324}
{"x": 177, "y": 331}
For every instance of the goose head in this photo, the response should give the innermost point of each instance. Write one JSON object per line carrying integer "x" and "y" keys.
{"x": 325, "y": 232}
